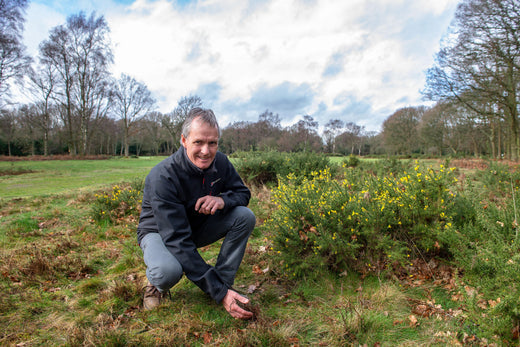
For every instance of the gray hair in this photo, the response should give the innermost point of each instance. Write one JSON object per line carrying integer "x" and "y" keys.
{"x": 205, "y": 115}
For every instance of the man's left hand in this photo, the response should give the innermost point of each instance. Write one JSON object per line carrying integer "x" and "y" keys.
{"x": 232, "y": 307}
{"x": 209, "y": 204}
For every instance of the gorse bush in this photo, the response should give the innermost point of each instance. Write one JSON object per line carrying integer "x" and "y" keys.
{"x": 351, "y": 161}
{"x": 257, "y": 168}
{"x": 362, "y": 221}
{"x": 121, "y": 201}
{"x": 380, "y": 216}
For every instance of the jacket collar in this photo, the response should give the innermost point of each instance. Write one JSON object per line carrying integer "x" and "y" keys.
{"x": 192, "y": 168}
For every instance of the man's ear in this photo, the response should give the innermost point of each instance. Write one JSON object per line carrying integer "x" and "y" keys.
{"x": 184, "y": 141}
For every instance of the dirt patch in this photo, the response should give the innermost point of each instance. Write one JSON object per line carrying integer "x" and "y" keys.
{"x": 13, "y": 172}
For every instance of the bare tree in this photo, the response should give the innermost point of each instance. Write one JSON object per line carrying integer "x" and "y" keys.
{"x": 81, "y": 54}
{"x": 301, "y": 136}
{"x": 43, "y": 83}
{"x": 55, "y": 56}
{"x": 132, "y": 101}
{"x": 151, "y": 125}
{"x": 351, "y": 138}
{"x": 332, "y": 129}
{"x": 400, "y": 130}
{"x": 479, "y": 66}
{"x": 239, "y": 136}
{"x": 8, "y": 127}
{"x": 173, "y": 120}
{"x": 13, "y": 60}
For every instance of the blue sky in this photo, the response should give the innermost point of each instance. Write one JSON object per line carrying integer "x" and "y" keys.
{"x": 357, "y": 60}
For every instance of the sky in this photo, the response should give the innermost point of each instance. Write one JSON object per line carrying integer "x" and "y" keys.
{"x": 354, "y": 60}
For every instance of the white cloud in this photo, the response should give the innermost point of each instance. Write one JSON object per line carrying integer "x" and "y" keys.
{"x": 339, "y": 59}
{"x": 39, "y": 20}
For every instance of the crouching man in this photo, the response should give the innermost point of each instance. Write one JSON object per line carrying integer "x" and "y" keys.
{"x": 192, "y": 199}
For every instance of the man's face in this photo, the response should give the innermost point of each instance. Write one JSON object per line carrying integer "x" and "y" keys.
{"x": 201, "y": 144}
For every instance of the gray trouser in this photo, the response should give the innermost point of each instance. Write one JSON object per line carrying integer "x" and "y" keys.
{"x": 164, "y": 270}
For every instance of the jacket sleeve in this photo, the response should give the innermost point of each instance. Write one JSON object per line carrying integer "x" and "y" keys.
{"x": 174, "y": 228}
{"x": 234, "y": 191}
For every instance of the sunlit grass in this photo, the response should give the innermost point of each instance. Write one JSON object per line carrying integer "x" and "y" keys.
{"x": 58, "y": 176}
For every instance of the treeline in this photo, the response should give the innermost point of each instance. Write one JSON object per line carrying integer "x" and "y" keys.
{"x": 81, "y": 109}
{"x": 411, "y": 131}
{"x": 158, "y": 133}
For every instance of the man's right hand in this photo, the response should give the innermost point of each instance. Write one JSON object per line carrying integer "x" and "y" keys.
{"x": 232, "y": 307}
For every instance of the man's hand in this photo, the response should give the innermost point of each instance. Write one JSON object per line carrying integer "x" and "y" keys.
{"x": 232, "y": 307}
{"x": 209, "y": 204}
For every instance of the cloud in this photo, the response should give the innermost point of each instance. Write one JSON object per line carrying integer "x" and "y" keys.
{"x": 39, "y": 20}
{"x": 354, "y": 60}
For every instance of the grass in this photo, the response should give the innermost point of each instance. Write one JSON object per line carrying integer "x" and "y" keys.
{"x": 65, "y": 280}
{"x": 42, "y": 178}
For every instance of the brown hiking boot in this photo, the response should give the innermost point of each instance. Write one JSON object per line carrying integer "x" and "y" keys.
{"x": 152, "y": 297}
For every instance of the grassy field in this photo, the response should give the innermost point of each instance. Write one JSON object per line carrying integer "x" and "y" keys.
{"x": 39, "y": 178}
{"x": 67, "y": 280}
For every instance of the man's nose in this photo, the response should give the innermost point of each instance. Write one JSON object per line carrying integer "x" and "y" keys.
{"x": 205, "y": 149}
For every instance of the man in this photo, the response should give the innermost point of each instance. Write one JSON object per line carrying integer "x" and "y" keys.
{"x": 192, "y": 199}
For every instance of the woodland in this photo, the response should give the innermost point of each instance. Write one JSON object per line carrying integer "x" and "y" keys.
{"x": 79, "y": 108}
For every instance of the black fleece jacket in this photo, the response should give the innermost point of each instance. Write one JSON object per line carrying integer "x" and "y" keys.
{"x": 171, "y": 190}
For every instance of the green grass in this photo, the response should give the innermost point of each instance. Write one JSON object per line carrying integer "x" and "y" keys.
{"x": 58, "y": 176}
{"x": 65, "y": 280}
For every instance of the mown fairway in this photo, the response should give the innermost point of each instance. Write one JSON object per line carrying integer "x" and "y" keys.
{"x": 57, "y": 176}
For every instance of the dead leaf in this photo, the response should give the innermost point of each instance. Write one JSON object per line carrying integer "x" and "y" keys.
{"x": 493, "y": 303}
{"x": 455, "y": 313}
{"x": 470, "y": 291}
{"x": 257, "y": 270}
{"x": 207, "y": 337}
{"x": 413, "y": 320}
{"x": 469, "y": 339}
{"x": 457, "y": 297}
{"x": 422, "y": 310}
{"x": 482, "y": 304}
